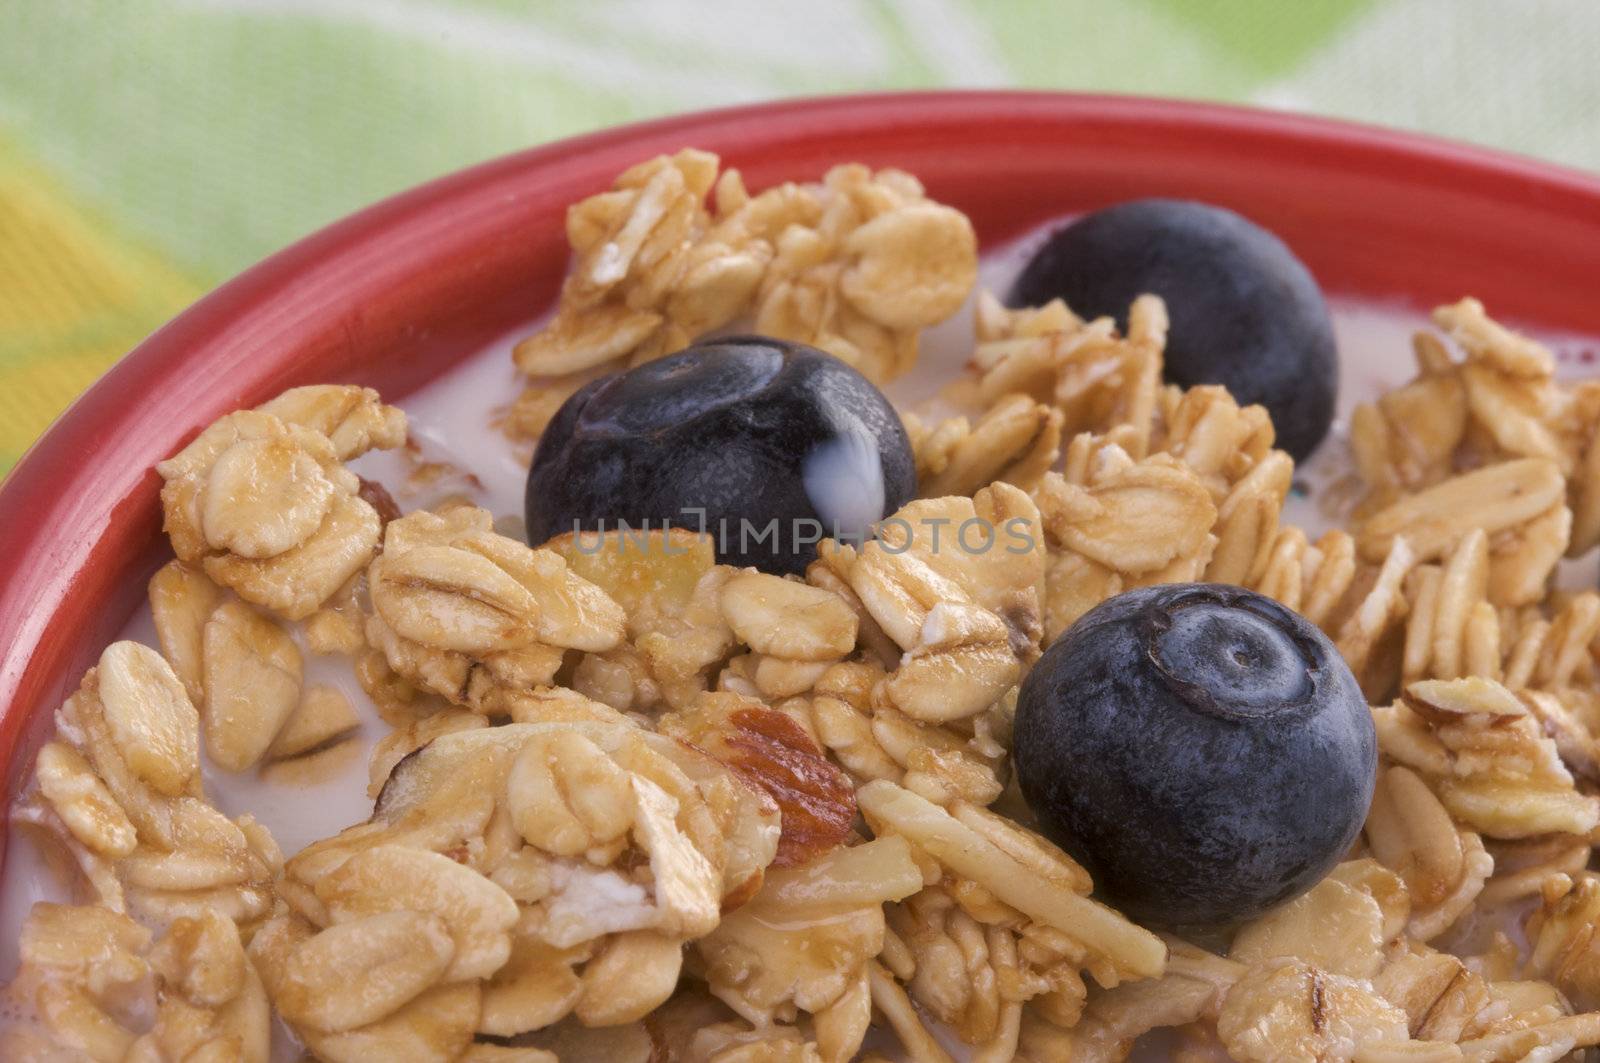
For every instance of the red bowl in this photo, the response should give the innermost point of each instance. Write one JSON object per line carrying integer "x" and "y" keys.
{"x": 396, "y": 293}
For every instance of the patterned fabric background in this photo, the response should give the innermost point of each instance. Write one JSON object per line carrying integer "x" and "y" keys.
{"x": 149, "y": 149}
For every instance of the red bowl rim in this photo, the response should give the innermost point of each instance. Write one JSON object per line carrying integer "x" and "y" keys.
{"x": 63, "y": 504}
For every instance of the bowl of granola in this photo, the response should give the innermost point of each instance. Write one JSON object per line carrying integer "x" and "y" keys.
{"x": 513, "y": 622}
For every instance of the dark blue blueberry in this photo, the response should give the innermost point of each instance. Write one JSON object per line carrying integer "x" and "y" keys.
{"x": 1246, "y": 313}
{"x": 1202, "y": 750}
{"x": 776, "y": 443}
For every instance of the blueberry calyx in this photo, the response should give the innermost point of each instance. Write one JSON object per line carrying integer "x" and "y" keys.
{"x": 1221, "y": 654}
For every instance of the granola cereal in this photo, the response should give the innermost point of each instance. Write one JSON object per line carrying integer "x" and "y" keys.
{"x": 615, "y": 799}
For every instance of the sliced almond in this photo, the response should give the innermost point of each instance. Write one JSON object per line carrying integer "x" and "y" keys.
{"x": 1442, "y": 701}
{"x": 769, "y": 750}
{"x": 965, "y": 852}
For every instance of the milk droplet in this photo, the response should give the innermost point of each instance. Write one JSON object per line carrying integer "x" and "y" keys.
{"x": 843, "y": 478}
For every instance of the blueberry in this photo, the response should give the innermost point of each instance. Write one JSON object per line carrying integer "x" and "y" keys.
{"x": 777, "y": 443}
{"x": 1246, "y": 313}
{"x": 1202, "y": 750}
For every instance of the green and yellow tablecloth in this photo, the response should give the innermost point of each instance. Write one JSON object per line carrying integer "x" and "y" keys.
{"x": 149, "y": 149}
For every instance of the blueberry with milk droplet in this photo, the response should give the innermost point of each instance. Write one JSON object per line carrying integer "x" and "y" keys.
{"x": 779, "y": 444}
{"x": 1204, "y": 751}
{"x": 1246, "y": 313}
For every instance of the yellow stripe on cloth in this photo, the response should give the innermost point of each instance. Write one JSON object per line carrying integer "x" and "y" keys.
{"x": 74, "y": 297}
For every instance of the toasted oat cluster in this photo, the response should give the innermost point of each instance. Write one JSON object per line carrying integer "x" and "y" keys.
{"x": 856, "y": 264}
{"x": 633, "y": 804}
